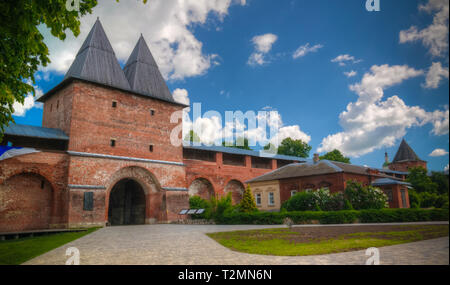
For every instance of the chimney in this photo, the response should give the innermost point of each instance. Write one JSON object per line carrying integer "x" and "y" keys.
{"x": 316, "y": 158}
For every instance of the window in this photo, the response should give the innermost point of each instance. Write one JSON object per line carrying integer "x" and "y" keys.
{"x": 308, "y": 190}
{"x": 42, "y": 184}
{"x": 57, "y": 105}
{"x": 258, "y": 199}
{"x": 150, "y": 148}
{"x": 388, "y": 193}
{"x": 271, "y": 199}
{"x": 152, "y": 112}
{"x": 113, "y": 142}
{"x": 293, "y": 192}
{"x": 403, "y": 194}
{"x": 114, "y": 104}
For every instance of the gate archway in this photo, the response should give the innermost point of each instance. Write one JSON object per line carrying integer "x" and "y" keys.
{"x": 127, "y": 203}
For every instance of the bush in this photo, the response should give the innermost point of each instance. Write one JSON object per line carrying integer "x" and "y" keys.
{"x": 196, "y": 202}
{"x": 302, "y": 201}
{"x": 427, "y": 200}
{"x": 368, "y": 197}
{"x": 336, "y": 217}
{"x": 247, "y": 204}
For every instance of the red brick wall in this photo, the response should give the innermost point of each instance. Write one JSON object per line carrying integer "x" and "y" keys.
{"x": 219, "y": 175}
{"x": 20, "y": 182}
{"x": 57, "y": 111}
{"x": 333, "y": 181}
{"x": 406, "y": 165}
{"x": 94, "y": 122}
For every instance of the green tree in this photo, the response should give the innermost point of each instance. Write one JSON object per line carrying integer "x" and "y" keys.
{"x": 420, "y": 181}
{"x": 22, "y": 48}
{"x": 335, "y": 155}
{"x": 247, "y": 204}
{"x": 192, "y": 137}
{"x": 441, "y": 180}
{"x": 240, "y": 142}
{"x": 294, "y": 148}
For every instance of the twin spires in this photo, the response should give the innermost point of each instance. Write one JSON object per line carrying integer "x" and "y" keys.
{"x": 96, "y": 62}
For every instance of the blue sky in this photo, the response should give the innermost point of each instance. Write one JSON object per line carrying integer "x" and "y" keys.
{"x": 209, "y": 61}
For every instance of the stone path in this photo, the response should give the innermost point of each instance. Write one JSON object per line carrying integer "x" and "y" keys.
{"x": 188, "y": 245}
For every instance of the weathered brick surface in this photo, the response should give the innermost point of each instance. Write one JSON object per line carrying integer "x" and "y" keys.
{"x": 21, "y": 196}
{"x": 94, "y": 122}
{"x": 406, "y": 165}
{"x": 220, "y": 175}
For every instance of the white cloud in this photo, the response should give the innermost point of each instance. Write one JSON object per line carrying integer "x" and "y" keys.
{"x": 350, "y": 73}
{"x": 371, "y": 123}
{"x": 166, "y": 26}
{"x": 446, "y": 168}
{"x": 181, "y": 96}
{"x": 211, "y": 130}
{"x": 305, "y": 49}
{"x": 438, "y": 152}
{"x": 29, "y": 102}
{"x": 435, "y": 36}
{"x": 343, "y": 59}
{"x": 262, "y": 44}
{"x": 440, "y": 120}
{"x": 434, "y": 76}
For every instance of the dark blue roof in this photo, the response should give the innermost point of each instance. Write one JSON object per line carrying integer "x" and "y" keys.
{"x": 35, "y": 132}
{"x": 239, "y": 151}
{"x": 392, "y": 171}
{"x": 388, "y": 181}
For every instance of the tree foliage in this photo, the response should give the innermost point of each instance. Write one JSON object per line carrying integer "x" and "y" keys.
{"x": 247, "y": 204}
{"x": 192, "y": 137}
{"x": 335, "y": 155}
{"x": 22, "y": 48}
{"x": 240, "y": 142}
{"x": 420, "y": 181}
{"x": 294, "y": 148}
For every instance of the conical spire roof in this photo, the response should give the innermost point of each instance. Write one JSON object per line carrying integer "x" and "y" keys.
{"x": 97, "y": 62}
{"x": 405, "y": 153}
{"x": 143, "y": 73}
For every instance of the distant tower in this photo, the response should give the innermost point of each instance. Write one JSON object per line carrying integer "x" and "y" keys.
{"x": 406, "y": 158}
{"x": 386, "y": 161}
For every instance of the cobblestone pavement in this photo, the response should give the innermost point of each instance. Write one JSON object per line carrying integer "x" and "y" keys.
{"x": 188, "y": 245}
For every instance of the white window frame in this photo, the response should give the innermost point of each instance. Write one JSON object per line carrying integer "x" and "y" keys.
{"x": 271, "y": 201}
{"x": 293, "y": 192}
{"x": 258, "y": 195}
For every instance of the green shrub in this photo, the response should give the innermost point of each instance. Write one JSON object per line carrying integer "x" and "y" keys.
{"x": 302, "y": 201}
{"x": 365, "y": 197}
{"x": 247, "y": 204}
{"x": 196, "y": 202}
{"x": 336, "y": 217}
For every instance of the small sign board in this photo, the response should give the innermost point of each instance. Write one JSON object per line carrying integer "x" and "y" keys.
{"x": 183, "y": 212}
{"x": 200, "y": 211}
{"x": 192, "y": 211}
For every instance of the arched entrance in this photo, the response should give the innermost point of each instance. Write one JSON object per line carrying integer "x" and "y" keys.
{"x": 127, "y": 203}
{"x": 25, "y": 203}
{"x": 236, "y": 188}
{"x": 201, "y": 187}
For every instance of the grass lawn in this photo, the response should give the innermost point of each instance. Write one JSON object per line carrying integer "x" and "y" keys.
{"x": 17, "y": 251}
{"x": 300, "y": 241}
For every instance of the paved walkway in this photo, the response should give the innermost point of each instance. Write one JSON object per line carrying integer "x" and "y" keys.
{"x": 188, "y": 245}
